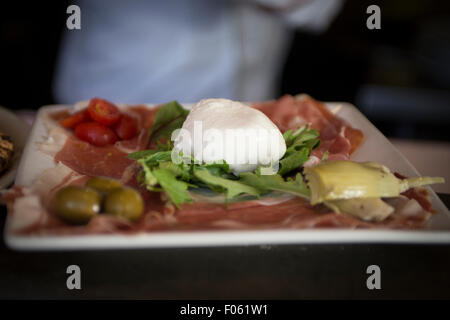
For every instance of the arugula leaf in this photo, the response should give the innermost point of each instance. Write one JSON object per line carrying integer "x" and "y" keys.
{"x": 150, "y": 162}
{"x": 183, "y": 171}
{"x": 301, "y": 134}
{"x": 294, "y": 161}
{"x": 266, "y": 183}
{"x": 176, "y": 189}
{"x": 147, "y": 178}
{"x": 299, "y": 145}
{"x": 154, "y": 158}
{"x": 168, "y": 146}
{"x": 141, "y": 154}
{"x": 304, "y": 137}
{"x": 232, "y": 188}
{"x": 158, "y": 157}
{"x": 219, "y": 169}
{"x": 287, "y": 136}
{"x": 169, "y": 117}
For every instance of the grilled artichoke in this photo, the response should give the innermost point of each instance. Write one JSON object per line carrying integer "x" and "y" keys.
{"x": 369, "y": 209}
{"x": 340, "y": 180}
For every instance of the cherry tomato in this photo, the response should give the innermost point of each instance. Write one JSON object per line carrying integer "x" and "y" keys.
{"x": 103, "y": 112}
{"x": 126, "y": 128}
{"x": 95, "y": 133}
{"x": 75, "y": 119}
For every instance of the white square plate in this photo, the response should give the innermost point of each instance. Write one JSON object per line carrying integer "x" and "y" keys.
{"x": 375, "y": 147}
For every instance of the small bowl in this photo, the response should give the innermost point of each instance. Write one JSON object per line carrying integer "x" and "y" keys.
{"x": 18, "y": 130}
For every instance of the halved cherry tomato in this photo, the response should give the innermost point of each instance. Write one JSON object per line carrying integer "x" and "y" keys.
{"x": 75, "y": 119}
{"x": 103, "y": 112}
{"x": 126, "y": 127}
{"x": 95, "y": 133}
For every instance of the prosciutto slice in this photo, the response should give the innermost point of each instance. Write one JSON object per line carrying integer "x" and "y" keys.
{"x": 337, "y": 137}
{"x": 108, "y": 161}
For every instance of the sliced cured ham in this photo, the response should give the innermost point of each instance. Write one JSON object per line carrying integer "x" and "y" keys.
{"x": 294, "y": 213}
{"x": 90, "y": 160}
{"x": 108, "y": 161}
{"x": 337, "y": 137}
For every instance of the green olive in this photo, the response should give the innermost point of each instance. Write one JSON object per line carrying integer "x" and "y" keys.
{"x": 76, "y": 204}
{"x": 104, "y": 185}
{"x": 124, "y": 202}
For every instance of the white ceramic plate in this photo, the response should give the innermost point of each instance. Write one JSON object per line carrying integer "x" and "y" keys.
{"x": 375, "y": 147}
{"x": 18, "y": 130}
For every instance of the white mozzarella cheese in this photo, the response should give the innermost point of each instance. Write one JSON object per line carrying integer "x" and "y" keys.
{"x": 222, "y": 129}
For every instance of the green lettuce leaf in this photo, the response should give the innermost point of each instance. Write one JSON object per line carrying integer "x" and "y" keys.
{"x": 219, "y": 169}
{"x": 158, "y": 157}
{"x": 179, "y": 170}
{"x": 141, "y": 154}
{"x": 175, "y": 188}
{"x": 294, "y": 161}
{"x": 299, "y": 145}
{"x": 231, "y": 188}
{"x": 146, "y": 177}
{"x": 169, "y": 117}
{"x": 303, "y": 137}
{"x": 266, "y": 183}
{"x": 146, "y": 153}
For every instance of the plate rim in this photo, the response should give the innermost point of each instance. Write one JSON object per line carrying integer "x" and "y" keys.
{"x": 222, "y": 238}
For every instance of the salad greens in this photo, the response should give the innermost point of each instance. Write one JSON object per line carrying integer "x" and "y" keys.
{"x": 276, "y": 182}
{"x": 231, "y": 188}
{"x": 298, "y": 148}
{"x": 159, "y": 173}
{"x": 168, "y": 118}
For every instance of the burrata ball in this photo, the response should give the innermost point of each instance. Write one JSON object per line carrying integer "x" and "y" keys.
{"x": 222, "y": 129}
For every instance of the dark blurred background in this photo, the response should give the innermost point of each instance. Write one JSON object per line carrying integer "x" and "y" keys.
{"x": 398, "y": 76}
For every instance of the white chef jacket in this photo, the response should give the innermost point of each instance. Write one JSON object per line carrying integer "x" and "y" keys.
{"x": 157, "y": 51}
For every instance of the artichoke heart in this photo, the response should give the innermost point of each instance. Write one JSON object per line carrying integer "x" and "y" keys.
{"x": 368, "y": 209}
{"x": 339, "y": 180}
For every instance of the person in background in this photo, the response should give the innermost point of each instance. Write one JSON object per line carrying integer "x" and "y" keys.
{"x": 157, "y": 51}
